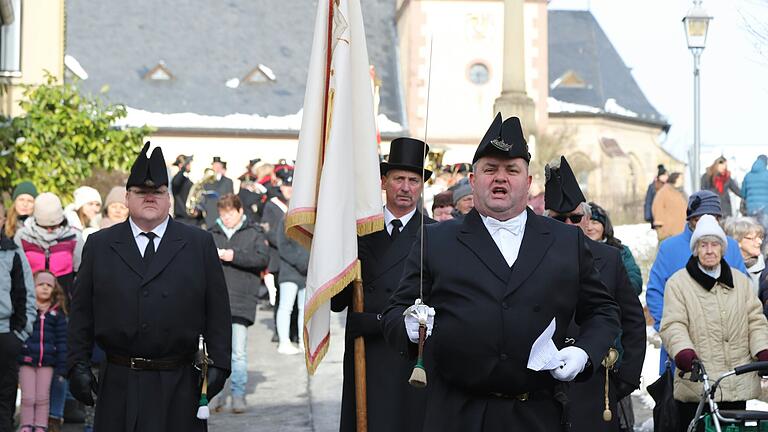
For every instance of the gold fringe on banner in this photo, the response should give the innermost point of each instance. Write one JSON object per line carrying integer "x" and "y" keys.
{"x": 324, "y": 294}
{"x": 294, "y": 222}
{"x": 370, "y": 225}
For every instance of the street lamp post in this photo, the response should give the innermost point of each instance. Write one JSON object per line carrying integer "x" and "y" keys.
{"x": 696, "y": 24}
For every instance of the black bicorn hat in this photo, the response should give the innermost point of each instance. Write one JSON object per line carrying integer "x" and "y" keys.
{"x": 285, "y": 175}
{"x": 407, "y": 154}
{"x": 562, "y": 193}
{"x": 148, "y": 171}
{"x": 505, "y": 139}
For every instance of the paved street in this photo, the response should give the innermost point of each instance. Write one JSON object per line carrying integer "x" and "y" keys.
{"x": 281, "y": 397}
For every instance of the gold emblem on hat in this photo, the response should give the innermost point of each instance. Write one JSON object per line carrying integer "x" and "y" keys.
{"x": 500, "y": 144}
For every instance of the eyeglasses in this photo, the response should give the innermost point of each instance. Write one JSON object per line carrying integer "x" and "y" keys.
{"x": 574, "y": 218}
{"x": 755, "y": 238}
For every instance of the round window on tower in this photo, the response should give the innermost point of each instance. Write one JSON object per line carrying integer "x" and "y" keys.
{"x": 478, "y": 73}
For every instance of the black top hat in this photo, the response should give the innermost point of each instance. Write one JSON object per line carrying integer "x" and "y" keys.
{"x": 504, "y": 139}
{"x": 562, "y": 193}
{"x": 407, "y": 154}
{"x": 661, "y": 170}
{"x": 149, "y": 172}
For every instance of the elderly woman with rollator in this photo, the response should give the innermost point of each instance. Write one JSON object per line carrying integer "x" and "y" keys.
{"x": 711, "y": 314}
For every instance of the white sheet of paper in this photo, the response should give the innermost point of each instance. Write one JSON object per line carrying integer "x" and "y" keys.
{"x": 544, "y": 352}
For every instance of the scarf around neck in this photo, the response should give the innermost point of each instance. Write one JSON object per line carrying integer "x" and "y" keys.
{"x": 34, "y": 234}
{"x": 706, "y": 281}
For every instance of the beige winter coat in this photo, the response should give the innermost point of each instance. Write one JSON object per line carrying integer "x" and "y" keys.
{"x": 725, "y": 326}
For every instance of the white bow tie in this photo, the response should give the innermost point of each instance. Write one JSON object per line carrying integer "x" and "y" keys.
{"x": 513, "y": 225}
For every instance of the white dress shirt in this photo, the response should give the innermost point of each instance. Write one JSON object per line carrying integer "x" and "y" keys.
{"x": 143, "y": 241}
{"x": 507, "y": 235}
{"x": 389, "y": 217}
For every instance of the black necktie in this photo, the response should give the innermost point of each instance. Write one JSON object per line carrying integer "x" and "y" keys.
{"x": 396, "y": 224}
{"x": 149, "y": 252}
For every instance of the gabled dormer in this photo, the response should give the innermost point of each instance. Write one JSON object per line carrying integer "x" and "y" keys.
{"x": 159, "y": 73}
{"x": 260, "y": 74}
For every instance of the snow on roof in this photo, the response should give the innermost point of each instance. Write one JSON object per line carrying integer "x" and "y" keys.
{"x": 611, "y": 107}
{"x": 73, "y": 65}
{"x": 238, "y": 121}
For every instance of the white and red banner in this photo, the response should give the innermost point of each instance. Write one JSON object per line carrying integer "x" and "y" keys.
{"x": 336, "y": 184}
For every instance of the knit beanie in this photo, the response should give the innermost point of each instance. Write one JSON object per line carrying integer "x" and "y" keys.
{"x": 46, "y": 278}
{"x": 48, "y": 210}
{"x": 115, "y": 195}
{"x": 460, "y": 192}
{"x": 708, "y": 226}
{"x": 24, "y": 188}
{"x": 704, "y": 202}
{"x": 84, "y": 195}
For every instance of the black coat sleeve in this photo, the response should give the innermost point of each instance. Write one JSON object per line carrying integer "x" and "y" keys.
{"x": 81, "y": 319}
{"x": 291, "y": 252}
{"x": 18, "y": 320}
{"x": 218, "y": 317}
{"x": 633, "y": 339}
{"x": 596, "y": 312}
{"x": 406, "y": 294}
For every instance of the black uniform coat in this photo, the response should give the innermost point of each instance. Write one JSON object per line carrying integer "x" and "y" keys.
{"x": 181, "y": 185}
{"x": 488, "y": 316}
{"x": 393, "y": 404}
{"x": 154, "y": 313}
{"x": 213, "y": 192}
{"x": 588, "y": 398}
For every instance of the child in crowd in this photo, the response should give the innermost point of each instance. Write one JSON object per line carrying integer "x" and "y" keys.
{"x": 43, "y": 354}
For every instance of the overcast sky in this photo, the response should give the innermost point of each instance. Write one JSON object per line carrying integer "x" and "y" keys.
{"x": 734, "y": 77}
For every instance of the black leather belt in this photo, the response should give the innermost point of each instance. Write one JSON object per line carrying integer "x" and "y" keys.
{"x": 522, "y": 397}
{"x": 140, "y": 363}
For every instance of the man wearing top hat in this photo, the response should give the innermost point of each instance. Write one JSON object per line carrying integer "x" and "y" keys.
{"x": 496, "y": 282}
{"x": 213, "y": 191}
{"x": 146, "y": 289}
{"x": 564, "y": 201}
{"x": 393, "y": 405}
{"x": 180, "y": 186}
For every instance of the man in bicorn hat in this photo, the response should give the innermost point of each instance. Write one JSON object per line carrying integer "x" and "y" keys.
{"x": 496, "y": 282}
{"x": 221, "y": 186}
{"x": 564, "y": 201}
{"x": 146, "y": 290}
{"x": 393, "y": 405}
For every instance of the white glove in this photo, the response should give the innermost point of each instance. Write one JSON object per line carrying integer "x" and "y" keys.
{"x": 574, "y": 361}
{"x": 412, "y": 318}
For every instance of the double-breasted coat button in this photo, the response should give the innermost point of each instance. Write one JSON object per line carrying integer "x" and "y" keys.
{"x": 145, "y": 293}
{"x": 505, "y": 305}
{"x": 503, "y": 356}
{"x": 144, "y": 327}
{"x": 165, "y": 294}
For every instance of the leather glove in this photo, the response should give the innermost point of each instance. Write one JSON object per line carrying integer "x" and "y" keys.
{"x": 362, "y": 324}
{"x": 762, "y": 356}
{"x": 412, "y": 323}
{"x": 216, "y": 380}
{"x": 82, "y": 383}
{"x": 574, "y": 360}
{"x": 684, "y": 359}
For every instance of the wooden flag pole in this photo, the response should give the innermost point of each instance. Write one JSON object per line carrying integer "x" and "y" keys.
{"x": 361, "y": 399}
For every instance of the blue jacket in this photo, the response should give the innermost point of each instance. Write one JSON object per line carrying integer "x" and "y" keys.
{"x": 673, "y": 254}
{"x": 47, "y": 346}
{"x": 754, "y": 188}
